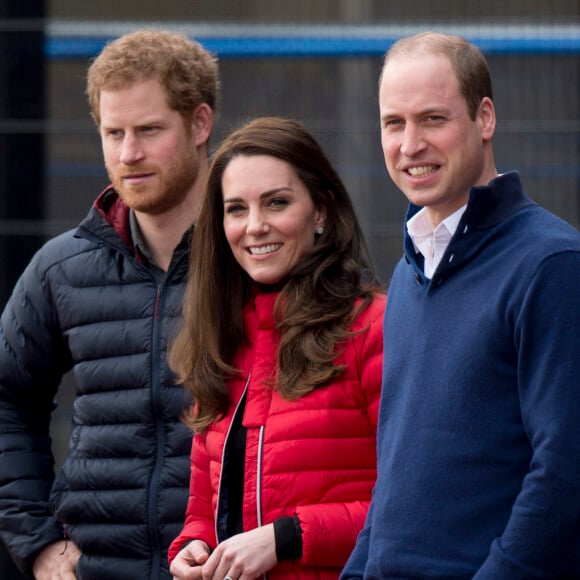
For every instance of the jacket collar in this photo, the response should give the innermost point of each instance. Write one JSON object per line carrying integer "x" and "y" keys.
{"x": 108, "y": 220}
{"x": 116, "y": 212}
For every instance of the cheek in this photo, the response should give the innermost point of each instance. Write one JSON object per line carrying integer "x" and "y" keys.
{"x": 306, "y": 236}
{"x": 232, "y": 232}
{"x": 170, "y": 151}
{"x": 110, "y": 156}
{"x": 384, "y": 143}
{"x": 389, "y": 146}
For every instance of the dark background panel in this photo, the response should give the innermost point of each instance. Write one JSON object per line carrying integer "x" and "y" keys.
{"x": 50, "y": 157}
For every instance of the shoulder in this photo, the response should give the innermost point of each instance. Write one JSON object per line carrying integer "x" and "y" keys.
{"x": 374, "y": 312}
{"x": 541, "y": 244}
{"x": 54, "y": 253}
{"x": 367, "y": 327}
{"x": 550, "y": 233}
{"x": 62, "y": 247}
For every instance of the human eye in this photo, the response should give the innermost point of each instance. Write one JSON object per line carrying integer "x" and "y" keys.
{"x": 392, "y": 123}
{"x": 150, "y": 129}
{"x": 278, "y": 202}
{"x": 113, "y": 133}
{"x": 435, "y": 118}
{"x": 234, "y": 208}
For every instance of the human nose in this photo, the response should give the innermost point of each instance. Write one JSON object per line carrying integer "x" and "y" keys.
{"x": 412, "y": 140}
{"x": 131, "y": 150}
{"x": 256, "y": 223}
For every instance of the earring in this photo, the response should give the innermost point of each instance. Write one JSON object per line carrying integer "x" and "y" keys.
{"x": 319, "y": 230}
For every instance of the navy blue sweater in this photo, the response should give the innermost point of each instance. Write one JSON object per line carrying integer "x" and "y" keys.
{"x": 87, "y": 303}
{"x": 479, "y": 430}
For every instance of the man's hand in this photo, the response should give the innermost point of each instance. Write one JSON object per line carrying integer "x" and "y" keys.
{"x": 187, "y": 564}
{"x": 57, "y": 561}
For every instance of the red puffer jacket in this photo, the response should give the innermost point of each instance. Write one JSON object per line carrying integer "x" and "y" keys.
{"x": 314, "y": 458}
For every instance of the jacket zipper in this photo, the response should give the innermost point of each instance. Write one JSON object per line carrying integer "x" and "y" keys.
{"x": 258, "y": 474}
{"x": 259, "y": 477}
{"x": 153, "y": 495}
{"x": 217, "y": 509}
{"x": 259, "y": 482}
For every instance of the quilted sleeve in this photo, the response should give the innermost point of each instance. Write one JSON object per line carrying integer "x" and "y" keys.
{"x": 32, "y": 362}
{"x": 199, "y": 517}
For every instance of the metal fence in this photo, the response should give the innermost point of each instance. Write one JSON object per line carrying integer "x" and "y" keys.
{"x": 325, "y": 75}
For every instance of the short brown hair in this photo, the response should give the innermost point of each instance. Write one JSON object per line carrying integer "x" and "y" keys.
{"x": 467, "y": 60}
{"x": 187, "y": 71}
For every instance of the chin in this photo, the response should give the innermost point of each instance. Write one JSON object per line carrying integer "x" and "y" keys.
{"x": 269, "y": 280}
{"x": 266, "y": 281}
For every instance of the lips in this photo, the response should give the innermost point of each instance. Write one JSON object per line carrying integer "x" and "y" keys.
{"x": 265, "y": 249}
{"x": 421, "y": 171}
{"x": 130, "y": 176}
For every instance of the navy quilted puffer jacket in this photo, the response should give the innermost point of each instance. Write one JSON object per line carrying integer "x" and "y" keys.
{"x": 86, "y": 303}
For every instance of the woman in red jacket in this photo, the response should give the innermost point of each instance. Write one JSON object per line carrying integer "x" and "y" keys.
{"x": 281, "y": 349}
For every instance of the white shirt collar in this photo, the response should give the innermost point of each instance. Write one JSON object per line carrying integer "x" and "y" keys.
{"x": 432, "y": 242}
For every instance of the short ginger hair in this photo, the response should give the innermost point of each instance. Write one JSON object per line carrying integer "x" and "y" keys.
{"x": 185, "y": 69}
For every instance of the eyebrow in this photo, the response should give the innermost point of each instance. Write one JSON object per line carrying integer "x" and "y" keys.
{"x": 268, "y": 193}
{"x": 390, "y": 116}
{"x": 152, "y": 122}
{"x": 421, "y": 113}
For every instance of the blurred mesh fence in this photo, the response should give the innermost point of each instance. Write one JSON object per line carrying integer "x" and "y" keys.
{"x": 319, "y": 65}
{"x": 325, "y": 76}
{"x": 314, "y": 60}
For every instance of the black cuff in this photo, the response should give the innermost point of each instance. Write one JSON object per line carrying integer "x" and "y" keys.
{"x": 288, "y": 536}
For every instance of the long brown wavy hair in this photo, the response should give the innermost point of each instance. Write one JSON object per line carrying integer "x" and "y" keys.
{"x": 316, "y": 301}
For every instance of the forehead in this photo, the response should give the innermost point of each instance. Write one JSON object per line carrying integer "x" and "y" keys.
{"x": 259, "y": 164}
{"x": 257, "y": 173}
{"x": 137, "y": 98}
{"x": 412, "y": 78}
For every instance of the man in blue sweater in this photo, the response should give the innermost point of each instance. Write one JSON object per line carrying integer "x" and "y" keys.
{"x": 479, "y": 429}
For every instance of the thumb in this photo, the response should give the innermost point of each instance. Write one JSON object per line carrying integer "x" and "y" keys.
{"x": 198, "y": 551}
{"x": 200, "y": 554}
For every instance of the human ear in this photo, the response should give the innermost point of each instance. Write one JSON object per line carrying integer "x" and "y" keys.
{"x": 202, "y": 123}
{"x": 486, "y": 118}
{"x": 320, "y": 216}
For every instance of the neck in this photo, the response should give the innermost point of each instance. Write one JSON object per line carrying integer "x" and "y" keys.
{"x": 162, "y": 233}
{"x": 438, "y": 214}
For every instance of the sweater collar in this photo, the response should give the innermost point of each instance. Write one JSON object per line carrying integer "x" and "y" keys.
{"x": 487, "y": 207}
